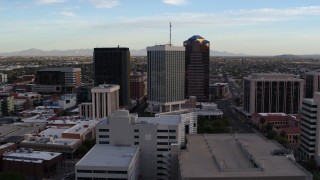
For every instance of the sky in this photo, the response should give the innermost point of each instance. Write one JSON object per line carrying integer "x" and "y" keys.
{"x": 254, "y": 27}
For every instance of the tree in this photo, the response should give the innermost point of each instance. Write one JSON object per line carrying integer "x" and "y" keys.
{"x": 269, "y": 126}
{"x": 262, "y": 121}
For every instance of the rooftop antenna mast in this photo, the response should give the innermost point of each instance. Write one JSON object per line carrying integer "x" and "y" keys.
{"x": 170, "y": 34}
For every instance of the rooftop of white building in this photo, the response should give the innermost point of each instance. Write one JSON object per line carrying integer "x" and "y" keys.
{"x": 26, "y": 155}
{"x": 160, "y": 120}
{"x": 240, "y": 155}
{"x": 102, "y": 155}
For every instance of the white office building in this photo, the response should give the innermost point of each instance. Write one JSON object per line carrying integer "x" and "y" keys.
{"x": 105, "y": 100}
{"x": 310, "y": 134}
{"x": 158, "y": 139}
{"x": 166, "y": 76}
{"x": 109, "y": 162}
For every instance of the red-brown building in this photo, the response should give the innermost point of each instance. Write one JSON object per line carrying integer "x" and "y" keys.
{"x": 32, "y": 164}
{"x": 137, "y": 85}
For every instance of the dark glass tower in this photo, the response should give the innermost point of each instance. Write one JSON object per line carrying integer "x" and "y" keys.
{"x": 197, "y": 68}
{"x": 112, "y": 66}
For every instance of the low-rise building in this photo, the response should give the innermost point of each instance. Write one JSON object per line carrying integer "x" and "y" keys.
{"x": 31, "y": 164}
{"x": 218, "y": 90}
{"x": 109, "y": 162}
{"x": 67, "y": 101}
{"x": 241, "y": 156}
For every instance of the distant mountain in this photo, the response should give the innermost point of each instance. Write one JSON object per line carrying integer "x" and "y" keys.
{"x": 39, "y": 52}
{"x": 89, "y": 52}
{"x": 291, "y": 56}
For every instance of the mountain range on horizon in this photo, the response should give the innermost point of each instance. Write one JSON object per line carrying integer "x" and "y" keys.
{"x": 89, "y": 52}
{"x": 140, "y": 52}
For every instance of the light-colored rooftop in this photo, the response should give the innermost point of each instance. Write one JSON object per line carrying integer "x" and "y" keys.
{"x": 82, "y": 127}
{"x": 54, "y": 132}
{"x": 34, "y": 156}
{"x": 160, "y": 120}
{"x": 235, "y": 156}
{"x": 102, "y": 155}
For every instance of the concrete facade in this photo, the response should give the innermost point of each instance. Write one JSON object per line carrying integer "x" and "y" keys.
{"x": 157, "y": 138}
{"x": 166, "y": 76}
{"x": 237, "y": 157}
{"x": 272, "y": 93}
{"x": 109, "y": 162}
{"x": 105, "y": 100}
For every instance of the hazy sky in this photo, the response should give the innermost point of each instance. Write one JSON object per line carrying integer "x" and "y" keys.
{"x": 256, "y": 27}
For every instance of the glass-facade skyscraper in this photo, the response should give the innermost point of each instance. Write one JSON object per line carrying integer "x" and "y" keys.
{"x": 197, "y": 68}
{"x": 112, "y": 66}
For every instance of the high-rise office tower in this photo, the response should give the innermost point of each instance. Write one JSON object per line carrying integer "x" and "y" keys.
{"x": 166, "y": 77}
{"x": 272, "y": 93}
{"x": 112, "y": 66}
{"x": 312, "y": 83}
{"x": 197, "y": 68}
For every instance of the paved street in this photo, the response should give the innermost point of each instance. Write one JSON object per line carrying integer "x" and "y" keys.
{"x": 227, "y": 106}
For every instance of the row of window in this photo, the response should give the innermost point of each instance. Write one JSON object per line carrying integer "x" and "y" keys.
{"x": 103, "y": 130}
{"x": 100, "y": 171}
{"x": 165, "y": 130}
{"x": 90, "y": 178}
{"x": 166, "y": 137}
{"x": 103, "y": 136}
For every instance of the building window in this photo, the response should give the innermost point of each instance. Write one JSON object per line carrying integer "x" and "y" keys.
{"x": 162, "y": 143}
{"x": 136, "y": 143}
{"x": 103, "y": 136}
{"x": 84, "y": 171}
{"x": 103, "y": 130}
{"x": 136, "y": 130}
{"x": 172, "y": 137}
{"x": 162, "y": 130}
{"x": 172, "y": 131}
{"x": 117, "y": 172}
{"x": 136, "y": 137}
{"x": 163, "y": 149}
{"x": 162, "y": 137}
{"x": 100, "y": 171}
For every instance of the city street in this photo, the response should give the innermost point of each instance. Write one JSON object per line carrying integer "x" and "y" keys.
{"x": 227, "y": 106}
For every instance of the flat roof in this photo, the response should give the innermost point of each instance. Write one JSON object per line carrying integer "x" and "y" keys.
{"x": 160, "y": 120}
{"x": 228, "y": 155}
{"x": 24, "y": 155}
{"x": 102, "y": 155}
{"x": 54, "y": 132}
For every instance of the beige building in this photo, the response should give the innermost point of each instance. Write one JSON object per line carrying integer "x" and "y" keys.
{"x": 157, "y": 137}
{"x": 105, "y": 100}
{"x": 272, "y": 93}
{"x": 237, "y": 156}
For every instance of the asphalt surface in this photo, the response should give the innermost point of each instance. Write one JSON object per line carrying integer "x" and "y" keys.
{"x": 227, "y": 106}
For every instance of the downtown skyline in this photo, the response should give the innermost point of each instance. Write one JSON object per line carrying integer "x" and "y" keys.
{"x": 251, "y": 27}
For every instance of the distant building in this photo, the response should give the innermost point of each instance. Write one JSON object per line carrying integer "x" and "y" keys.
{"x": 85, "y": 110}
{"x": 3, "y": 78}
{"x": 166, "y": 76}
{"x": 84, "y": 93}
{"x": 110, "y": 162}
{"x": 105, "y": 100}
{"x": 241, "y": 156}
{"x": 112, "y": 66}
{"x": 272, "y": 93}
{"x": 219, "y": 90}
{"x": 312, "y": 83}
{"x": 197, "y": 56}
{"x": 6, "y": 104}
{"x": 67, "y": 101}
{"x": 137, "y": 86}
{"x": 31, "y": 164}
{"x": 57, "y": 80}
